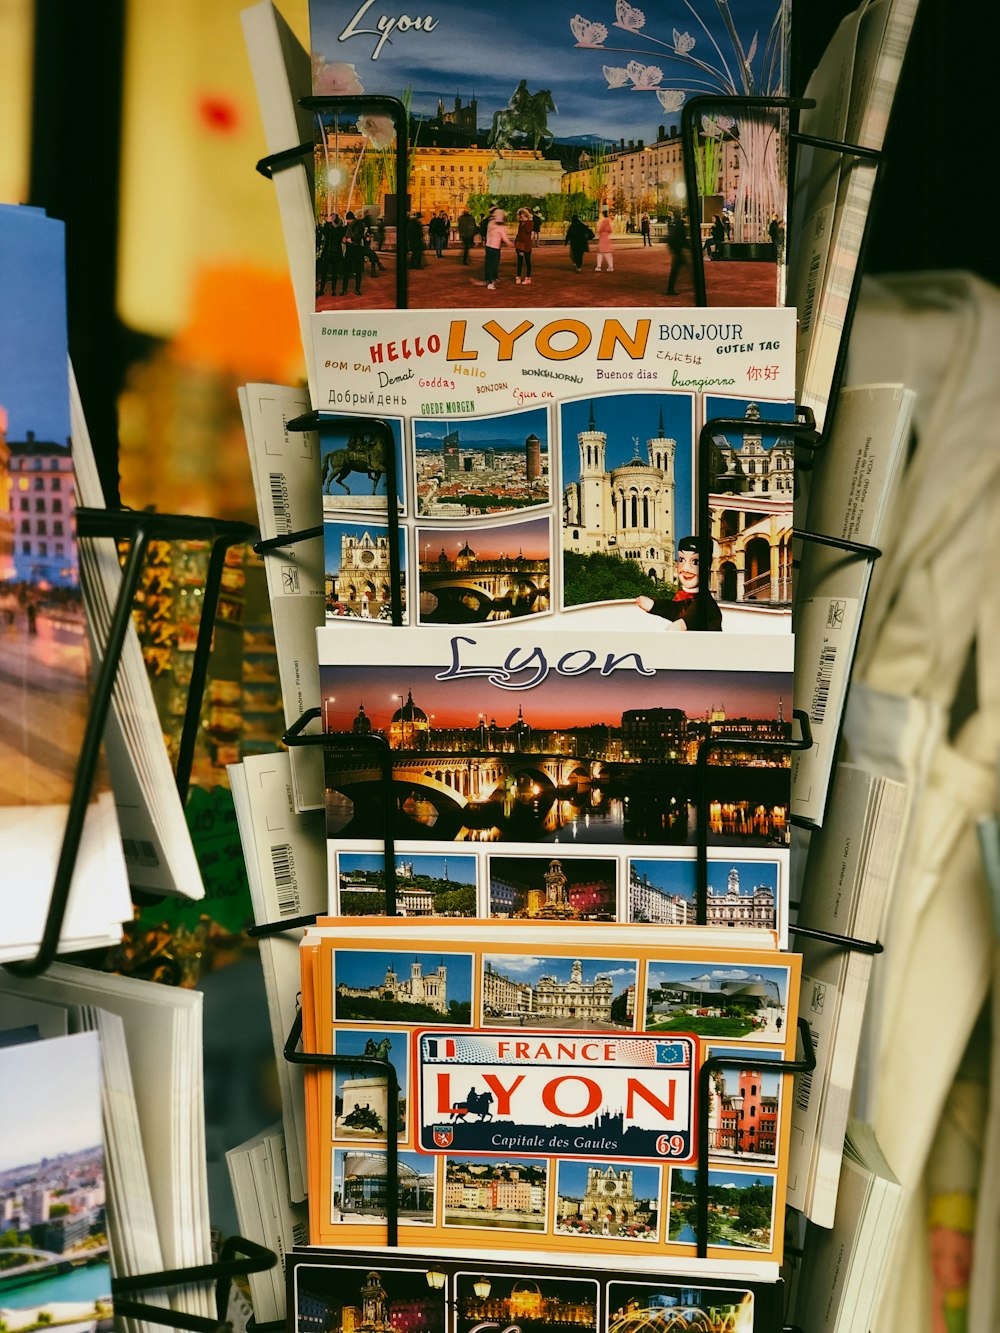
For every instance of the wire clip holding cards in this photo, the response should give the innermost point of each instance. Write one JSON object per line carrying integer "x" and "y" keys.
{"x": 710, "y": 1066}
{"x": 139, "y": 528}
{"x": 378, "y": 1066}
{"x": 256, "y": 1259}
{"x": 287, "y": 157}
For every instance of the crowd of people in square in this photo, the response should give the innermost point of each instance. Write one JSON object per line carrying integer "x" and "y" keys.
{"x": 346, "y": 247}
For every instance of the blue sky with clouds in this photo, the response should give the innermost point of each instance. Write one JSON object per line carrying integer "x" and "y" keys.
{"x": 526, "y": 967}
{"x": 483, "y": 50}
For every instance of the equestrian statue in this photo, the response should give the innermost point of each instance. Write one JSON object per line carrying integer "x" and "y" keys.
{"x": 525, "y": 114}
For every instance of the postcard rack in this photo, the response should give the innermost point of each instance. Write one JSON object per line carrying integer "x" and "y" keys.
{"x": 690, "y": 117}
{"x": 139, "y": 528}
{"x": 807, "y": 439}
{"x": 238, "y": 1256}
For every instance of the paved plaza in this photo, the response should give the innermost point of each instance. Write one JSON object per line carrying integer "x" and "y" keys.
{"x": 639, "y": 279}
{"x": 43, "y": 704}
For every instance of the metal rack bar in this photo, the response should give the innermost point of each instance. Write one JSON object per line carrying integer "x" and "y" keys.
{"x": 332, "y": 1062}
{"x": 256, "y": 1259}
{"x": 718, "y": 1062}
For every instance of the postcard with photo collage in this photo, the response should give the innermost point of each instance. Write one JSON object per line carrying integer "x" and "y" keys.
{"x": 548, "y": 1088}
{"x": 548, "y": 470}
{"x": 554, "y": 176}
{"x": 566, "y": 767}
{"x": 460, "y": 1293}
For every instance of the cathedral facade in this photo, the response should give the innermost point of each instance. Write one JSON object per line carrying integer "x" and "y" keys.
{"x": 362, "y": 586}
{"x": 609, "y": 1206}
{"x": 626, "y": 511}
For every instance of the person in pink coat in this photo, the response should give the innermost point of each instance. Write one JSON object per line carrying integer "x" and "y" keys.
{"x": 605, "y": 243}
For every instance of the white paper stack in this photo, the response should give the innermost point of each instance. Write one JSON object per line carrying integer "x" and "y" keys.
{"x": 848, "y": 879}
{"x": 841, "y": 1272}
{"x": 286, "y": 480}
{"x": 258, "y": 1172}
{"x": 162, "y": 1029}
{"x": 854, "y": 484}
{"x": 159, "y": 853}
{"x": 285, "y": 854}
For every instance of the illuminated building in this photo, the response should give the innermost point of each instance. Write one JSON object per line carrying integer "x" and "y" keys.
{"x": 409, "y": 728}
{"x": 41, "y": 511}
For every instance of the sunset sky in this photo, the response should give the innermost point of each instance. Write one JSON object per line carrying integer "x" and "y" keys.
{"x": 559, "y": 701}
{"x": 529, "y": 537}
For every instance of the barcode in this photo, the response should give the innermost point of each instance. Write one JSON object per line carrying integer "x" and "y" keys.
{"x": 279, "y": 503}
{"x": 824, "y": 679}
{"x": 140, "y": 852}
{"x": 803, "y": 1082}
{"x": 283, "y": 868}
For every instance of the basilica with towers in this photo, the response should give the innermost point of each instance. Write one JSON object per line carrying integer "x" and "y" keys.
{"x": 625, "y": 511}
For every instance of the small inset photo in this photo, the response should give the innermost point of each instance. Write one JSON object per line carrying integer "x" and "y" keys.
{"x": 487, "y": 465}
{"x": 505, "y": 1195}
{"x": 361, "y": 1192}
{"x": 476, "y": 575}
{"x": 553, "y": 888}
{"x": 740, "y": 1208}
{"x": 605, "y": 1200}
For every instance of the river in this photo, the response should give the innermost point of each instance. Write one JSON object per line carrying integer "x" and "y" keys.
{"x": 78, "y": 1285}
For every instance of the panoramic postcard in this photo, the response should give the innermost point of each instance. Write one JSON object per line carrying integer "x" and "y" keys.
{"x": 551, "y": 738}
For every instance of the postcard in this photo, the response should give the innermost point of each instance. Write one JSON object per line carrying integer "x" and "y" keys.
{"x": 431, "y": 1289}
{"x": 562, "y": 183}
{"x": 554, "y": 463}
{"x": 524, "y": 736}
{"x": 44, "y": 647}
{"x": 53, "y": 1187}
{"x": 548, "y": 1085}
